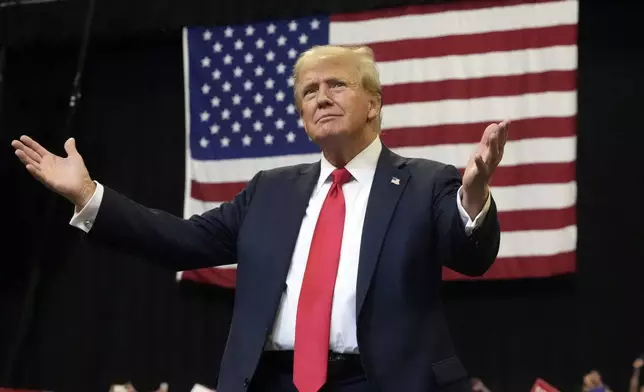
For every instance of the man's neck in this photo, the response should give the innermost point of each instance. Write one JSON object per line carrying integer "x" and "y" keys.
{"x": 341, "y": 152}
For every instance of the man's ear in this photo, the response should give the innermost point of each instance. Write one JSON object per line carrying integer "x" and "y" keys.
{"x": 375, "y": 106}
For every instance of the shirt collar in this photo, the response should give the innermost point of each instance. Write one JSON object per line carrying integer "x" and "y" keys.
{"x": 362, "y": 167}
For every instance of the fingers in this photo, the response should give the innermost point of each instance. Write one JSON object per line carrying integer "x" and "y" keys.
{"x": 29, "y": 142}
{"x": 27, "y": 159}
{"x": 70, "y": 146}
{"x": 37, "y": 174}
{"x": 481, "y": 165}
{"x": 497, "y": 138}
{"x": 32, "y": 155}
{"x": 503, "y": 132}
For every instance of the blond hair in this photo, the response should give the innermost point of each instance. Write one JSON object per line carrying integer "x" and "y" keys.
{"x": 361, "y": 57}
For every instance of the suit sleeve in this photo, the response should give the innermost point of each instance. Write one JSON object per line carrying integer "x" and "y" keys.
{"x": 470, "y": 254}
{"x": 205, "y": 240}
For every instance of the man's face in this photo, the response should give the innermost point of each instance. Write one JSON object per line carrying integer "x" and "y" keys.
{"x": 333, "y": 102}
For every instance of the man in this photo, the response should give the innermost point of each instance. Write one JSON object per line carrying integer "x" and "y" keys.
{"x": 339, "y": 261}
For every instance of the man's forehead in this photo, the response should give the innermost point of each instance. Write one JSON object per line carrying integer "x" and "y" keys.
{"x": 326, "y": 70}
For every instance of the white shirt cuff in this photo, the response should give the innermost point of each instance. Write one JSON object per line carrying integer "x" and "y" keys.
{"x": 84, "y": 219}
{"x": 470, "y": 224}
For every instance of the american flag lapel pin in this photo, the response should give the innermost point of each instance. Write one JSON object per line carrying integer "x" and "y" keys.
{"x": 395, "y": 180}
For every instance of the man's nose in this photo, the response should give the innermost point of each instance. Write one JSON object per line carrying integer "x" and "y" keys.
{"x": 322, "y": 97}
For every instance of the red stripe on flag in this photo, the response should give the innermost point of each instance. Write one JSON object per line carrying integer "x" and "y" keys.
{"x": 429, "y": 9}
{"x": 471, "y": 133}
{"x": 535, "y": 173}
{"x": 478, "y": 88}
{"x": 537, "y": 219}
{"x": 223, "y": 277}
{"x": 216, "y": 191}
{"x": 467, "y": 44}
{"x": 523, "y": 267}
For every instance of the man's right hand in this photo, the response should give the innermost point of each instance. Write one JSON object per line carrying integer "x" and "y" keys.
{"x": 66, "y": 176}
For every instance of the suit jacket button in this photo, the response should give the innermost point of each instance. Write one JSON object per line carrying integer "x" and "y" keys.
{"x": 246, "y": 382}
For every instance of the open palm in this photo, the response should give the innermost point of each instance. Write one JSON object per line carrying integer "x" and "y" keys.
{"x": 486, "y": 156}
{"x": 66, "y": 176}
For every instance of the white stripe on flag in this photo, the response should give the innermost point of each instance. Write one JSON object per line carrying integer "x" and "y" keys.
{"x": 453, "y": 23}
{"x": 475, "y": 110}
{"x": 481, "y": 65}
{"x": 538, "y": 242}
{"x": 517, "y": 152}
{"x": 535, "y": 196}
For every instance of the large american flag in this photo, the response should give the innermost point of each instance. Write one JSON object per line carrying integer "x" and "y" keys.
{"x": 447, "y": 71}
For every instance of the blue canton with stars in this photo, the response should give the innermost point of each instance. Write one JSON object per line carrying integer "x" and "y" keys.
{"x": 241, "y": 88}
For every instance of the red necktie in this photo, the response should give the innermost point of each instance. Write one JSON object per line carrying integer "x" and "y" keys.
{"x": 313, "y": 321}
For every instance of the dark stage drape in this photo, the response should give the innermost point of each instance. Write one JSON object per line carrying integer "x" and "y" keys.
{"x": 100, "y": 317}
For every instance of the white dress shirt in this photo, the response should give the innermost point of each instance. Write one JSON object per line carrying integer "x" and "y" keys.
{"x": 343, "y": 337}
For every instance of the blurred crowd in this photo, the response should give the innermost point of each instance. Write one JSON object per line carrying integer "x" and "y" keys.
{"x": 591, "y": 382}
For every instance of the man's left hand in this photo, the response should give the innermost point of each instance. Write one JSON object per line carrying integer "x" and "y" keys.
{"x": 481, "y": 166}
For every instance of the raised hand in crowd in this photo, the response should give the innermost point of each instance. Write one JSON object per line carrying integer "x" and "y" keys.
{"x": 635, "y": 378}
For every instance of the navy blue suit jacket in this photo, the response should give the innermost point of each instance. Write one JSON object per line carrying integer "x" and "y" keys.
{"x": 411, "y": 229}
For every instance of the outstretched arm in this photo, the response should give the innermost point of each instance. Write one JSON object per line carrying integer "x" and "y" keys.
{"x": 113, "y": 219}
{"x": 470, "y": 237}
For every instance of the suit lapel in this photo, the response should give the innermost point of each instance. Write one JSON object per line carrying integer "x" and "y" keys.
{"x": 388, "y": 184}
{"x": 292, "y": 204}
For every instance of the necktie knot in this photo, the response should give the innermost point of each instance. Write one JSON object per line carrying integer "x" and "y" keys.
{"x": 341, "y": 176}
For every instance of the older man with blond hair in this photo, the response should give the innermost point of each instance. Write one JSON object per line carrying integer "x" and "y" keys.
{"x": 339, "y": 261}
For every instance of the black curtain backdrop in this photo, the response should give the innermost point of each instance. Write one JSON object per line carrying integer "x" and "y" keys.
{"x": 101, "y": 317}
